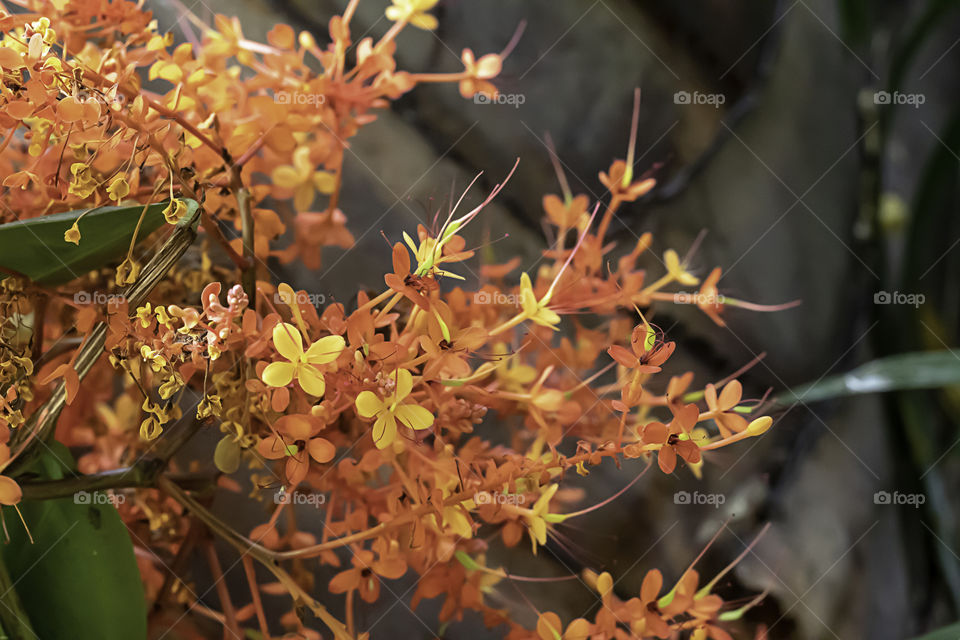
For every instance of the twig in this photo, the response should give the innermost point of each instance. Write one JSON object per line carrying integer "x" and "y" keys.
{"x": 216, "y": 571}
{"x": 43, "y": 421}
{"x": 261, "y": 554}
{"x": 251, "y": 574}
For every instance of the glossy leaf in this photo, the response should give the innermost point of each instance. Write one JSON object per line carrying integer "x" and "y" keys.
{"x": 950, "y": 632}
{"x": 80, "y": 577}
{"x": 37, "y": 249}
{"x": 924, "y": 370}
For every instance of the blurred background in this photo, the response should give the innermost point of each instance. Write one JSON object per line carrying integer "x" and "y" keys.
{"x": 815, "y": 145}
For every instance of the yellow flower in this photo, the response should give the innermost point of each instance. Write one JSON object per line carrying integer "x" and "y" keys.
{"x": 302, "y": 179}
{"x": 175, "y": 210}
{"x": 677, "y": 270}
{"x": 72, "y": 234}
{"x": 145, "y": 315}
{"x": 128, "y": 271}
{"x": 289, "y": 343}
{"x": 538, "y": 517}
{"x": 152, "y": 425}
{"x": 391, "y": 409}
{"x": 118, "y": 189}
{"x": 163, "y": 317}
{"x": 535, "y": 310}
{"x": 413, "y": 12}
{"x": 171, "y": 385}
{"x": 83, "y": 184}
{"x": 515, "y": 376}
{"x": 154, "y": 358}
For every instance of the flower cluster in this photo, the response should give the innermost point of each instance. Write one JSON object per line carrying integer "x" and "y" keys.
{"x": 381, "y": 402}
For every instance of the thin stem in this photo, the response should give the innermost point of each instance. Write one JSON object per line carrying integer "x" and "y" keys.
{"x": 230, "y": 624}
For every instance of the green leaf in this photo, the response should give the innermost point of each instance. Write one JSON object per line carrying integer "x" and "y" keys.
{"x": 80, "y": 577}
{"x": 36, "y": 247}
{"x": 950, "y": 632}
{"x": 918, "y": 370}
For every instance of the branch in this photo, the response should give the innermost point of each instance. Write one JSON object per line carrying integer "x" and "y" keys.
{"x": 43, "y": 421}
{"x": 261, "y": 554}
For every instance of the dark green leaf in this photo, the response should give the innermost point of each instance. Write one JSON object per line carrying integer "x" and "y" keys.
{"x": 36, "y": 247}
{"x": 951, "y": 632}
{"x": 924, "y": 370}
{"x": 80, "y": 577}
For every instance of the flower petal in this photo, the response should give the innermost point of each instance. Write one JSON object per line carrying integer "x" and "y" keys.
{"x": 369, "y": 404}
{"x": 652, "y": 583}
{"x": 384, "y": 430}
{"x": 325, "y": 350}
{"x": 286, "y": 176}
{"x": 321, "y": 450}
{"x": 287, "y": 340}
{"x": 311, "y": 380}
{"x": 655, "y": 433}
{"x": 404, "y": 380}
{"x": 303, "y": 197}
{"x": 414, "y": 416}
{"x": 278, "y": 374}
{"x": 296, "y": 469}
{"x": 10, "y": 492}
{"x": 298, "y": 426}
{"x": 730, "y": 396}
{"x": 272, "y": 448}
{"x": 667, "y": 459}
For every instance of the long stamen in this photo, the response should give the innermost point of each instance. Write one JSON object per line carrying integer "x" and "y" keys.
{"x": 628, "y": 170}
{"x": 546, "y": 298}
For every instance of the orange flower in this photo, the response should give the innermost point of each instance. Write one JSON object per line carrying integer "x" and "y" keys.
{"x": 721, "y": 408}
{"x": 296, "y": 441}
{"x": 674, "y": 440}
{"x": 479, "y": 73}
